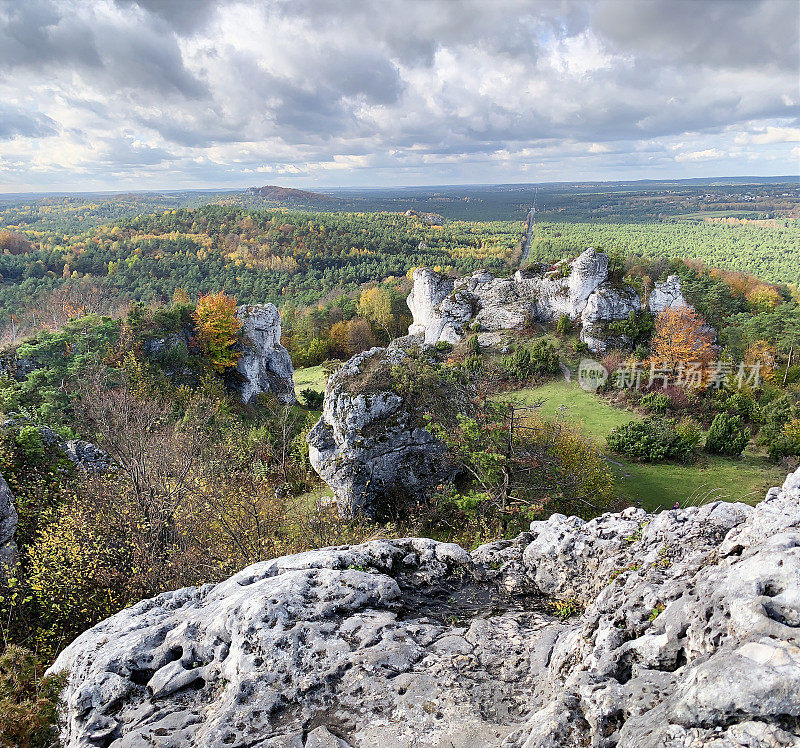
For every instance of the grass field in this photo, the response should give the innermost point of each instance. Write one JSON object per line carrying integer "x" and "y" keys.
{"x": 654, "y": 486}
{"x": 312, "y": 377}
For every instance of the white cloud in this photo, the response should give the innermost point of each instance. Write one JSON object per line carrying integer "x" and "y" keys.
{"x": 709, "y": 154}
{"x": 213, "y": 92}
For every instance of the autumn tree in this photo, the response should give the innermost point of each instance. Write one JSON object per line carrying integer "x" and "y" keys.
{"x": 218, "y": 329}
{"x": 761, "y": 353}
{"x": 681, "y": 336}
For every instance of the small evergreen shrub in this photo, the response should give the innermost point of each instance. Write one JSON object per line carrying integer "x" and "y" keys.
{"x": 650, "y": 440}
{"x": 656, "y": 402}
{"x": 443, "y": 346}
{"x": 727, "y": 435}
{"x": 312, "y": 398}
{"x": 564, "y": 325}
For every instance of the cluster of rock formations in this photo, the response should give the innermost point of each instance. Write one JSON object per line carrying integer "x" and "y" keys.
{"x": 446, "y": 309}
{"x": 368, "y": 446}
{"x": 685, "y": 632}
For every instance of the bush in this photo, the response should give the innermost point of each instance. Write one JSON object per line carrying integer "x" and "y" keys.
{"x": 545, "y": 359}
{"x": 564, "y": 325}
{"x": 443, "y": 346}
{"x": 690, "y": 431}
{"x": 656, "y": 402}
{"x": 650, "y": 440}
{"x": 312, "y": 398}
{"x": 541, "y": 360}
{"x": 727, "y": 435}
{"x": 28, "y": 702}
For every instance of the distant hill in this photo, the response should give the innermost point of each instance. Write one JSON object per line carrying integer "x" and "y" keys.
{"x": 287, "y": 194}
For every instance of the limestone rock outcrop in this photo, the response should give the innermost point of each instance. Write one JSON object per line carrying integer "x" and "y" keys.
{"x": 446, "y": 308}
{"x": 684, "y": 633}
{"x": 8, "y": 526}
{"x": 368, "y": 446}
{"x": 264, "y": 364}
{"x": 667, "y": 295}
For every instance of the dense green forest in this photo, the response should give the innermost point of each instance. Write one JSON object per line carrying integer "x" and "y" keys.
{"x": 261, "y": 256}
{"x": 770, "y": 249}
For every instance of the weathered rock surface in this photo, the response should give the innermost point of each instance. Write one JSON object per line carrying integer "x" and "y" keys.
{"x": 8, "y": 526}
{"x": 667, "y": 295}
{"x": 265, "y": 365}
{"x": 689, "y": 636}
{"x": 367, "y": 446}
{"x": 446, "y": 308}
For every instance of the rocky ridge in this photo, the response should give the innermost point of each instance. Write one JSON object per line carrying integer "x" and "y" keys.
{"x": 446, "y": 309}
{"x": 685, "y": 633}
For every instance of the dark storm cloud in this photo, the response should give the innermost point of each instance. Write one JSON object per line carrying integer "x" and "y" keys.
{"x": 214, "y": 87}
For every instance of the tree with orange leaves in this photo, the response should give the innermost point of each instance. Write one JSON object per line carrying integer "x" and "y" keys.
{"x": 218, "y": 329}
{"x": 681, "y": 336}
{"x": 761, "y": 353}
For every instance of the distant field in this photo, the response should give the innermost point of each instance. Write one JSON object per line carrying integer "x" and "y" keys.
{"x": 655, "y": 487}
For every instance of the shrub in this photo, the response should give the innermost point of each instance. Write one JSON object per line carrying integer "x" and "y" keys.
{"x": 650, "y": 440}
{"x": 690, "y": 431}
{"x": 786, "y": 442}
{"x": 28, "y": 702}
{"x": 312, "y": 398}
{"x": 519, "y": 365}
{"x": 541, "y": 360}
{"x": 656, "y": 402}
{"x": 727, "y": 435}
{"x": 564, "y": 325}
{"x": 443, "y": 346}
{"x": 545, "y": 359}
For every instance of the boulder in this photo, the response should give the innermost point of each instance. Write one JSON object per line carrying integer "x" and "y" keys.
{"x": 8, "y": 526}
{"x": 667, "y": 295}
{"x": 264, "y": 364}
{"x": 369, "y": 446}
{"x": 445, "y": 308}
{"x": 676, "y": 630}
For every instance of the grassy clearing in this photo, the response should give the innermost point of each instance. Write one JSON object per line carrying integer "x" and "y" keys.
{"x": 312, "y": 377}
{"x": 659, "y": 486}
{"x": 593, "y": 417}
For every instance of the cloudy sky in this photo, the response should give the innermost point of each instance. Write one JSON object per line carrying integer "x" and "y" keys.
{"x": 159, "y": 94}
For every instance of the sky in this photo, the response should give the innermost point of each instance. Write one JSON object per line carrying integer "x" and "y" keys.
{"x": 184, "y": 94}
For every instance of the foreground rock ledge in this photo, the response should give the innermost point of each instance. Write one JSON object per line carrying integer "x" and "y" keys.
{"x": 688, "y": 637}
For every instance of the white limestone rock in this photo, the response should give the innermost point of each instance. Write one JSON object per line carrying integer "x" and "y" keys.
{"x": 444, "y": 308}
{"x": 368, "y": 446}
{"x": 689, "y": 637}
{"x": 264, "y": 364}
{"x": 667, "y": 295}
{"x": 8, "y": 526}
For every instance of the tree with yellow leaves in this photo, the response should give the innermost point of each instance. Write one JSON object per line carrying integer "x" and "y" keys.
{"x": 218, "y": 329}
{"x": 681, "y": 336}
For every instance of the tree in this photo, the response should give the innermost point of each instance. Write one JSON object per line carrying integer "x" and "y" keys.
{"x": 681, "y": 337}
{"x": 218, "y": 329}
{"x": 524, "y": 465}
{"x": 727, "y": 435}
